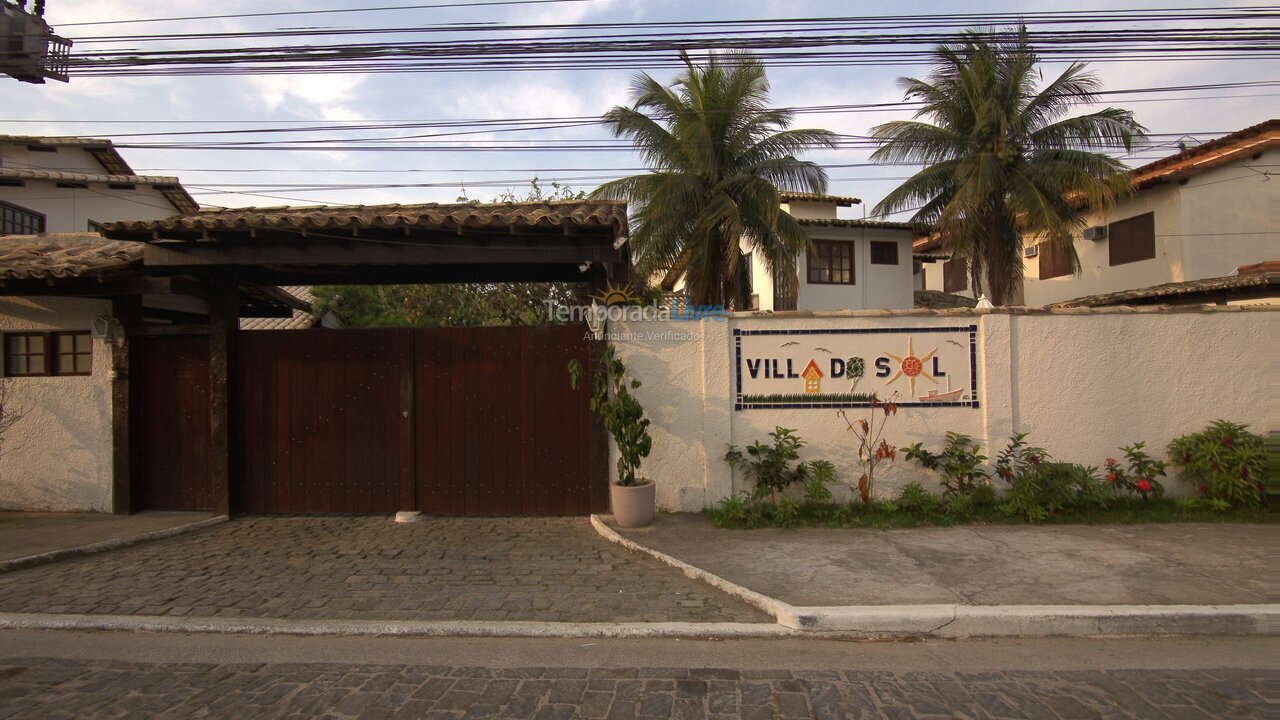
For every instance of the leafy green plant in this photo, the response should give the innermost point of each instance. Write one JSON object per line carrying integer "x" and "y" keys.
{"x": 984, "y": 496}
{"x": 1225, "y": 460}
{"x": 821, "y": 474}
{"x": 787, "y": 514}
{"x": 1018, "y": 457}
{"x": 1142, "y": 477}
{"x": 873, "y": 449}
{"x": 1049, "y": 488}
{"x": 623, "y": 414}
{"x": 773, "y": 468}
{"x": 960, "y": 507}
{"x": 959, "y": 463}
{"x": 914, "y": 496}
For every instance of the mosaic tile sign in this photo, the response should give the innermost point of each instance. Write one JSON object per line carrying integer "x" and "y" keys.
{"x": 838, "y": 368}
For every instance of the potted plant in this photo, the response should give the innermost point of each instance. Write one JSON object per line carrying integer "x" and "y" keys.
{"x": 631, "y": 497}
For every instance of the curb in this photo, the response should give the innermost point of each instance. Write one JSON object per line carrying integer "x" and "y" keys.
{"x": 396, "y": 628}
{"x": 115, "y": 543}
{"x": 957, "y": 621}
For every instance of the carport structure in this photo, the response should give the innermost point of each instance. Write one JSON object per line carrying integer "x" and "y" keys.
{"x": 451, "y": 420}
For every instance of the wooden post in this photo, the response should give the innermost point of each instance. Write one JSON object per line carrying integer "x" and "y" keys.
{"x": 224, "y": 312}
{"x": 127, "y": 311}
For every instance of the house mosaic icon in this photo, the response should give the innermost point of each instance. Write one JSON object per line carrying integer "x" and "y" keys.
{"x": 812, "y": 378}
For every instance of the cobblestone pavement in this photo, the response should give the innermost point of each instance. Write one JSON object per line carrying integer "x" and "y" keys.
{"x": 372, "y": 568}
{"x": 96, "y": 689}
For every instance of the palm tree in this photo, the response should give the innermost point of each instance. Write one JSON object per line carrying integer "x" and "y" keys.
{"x": 1002, "y": 158}
{"x": 718, "y": 155}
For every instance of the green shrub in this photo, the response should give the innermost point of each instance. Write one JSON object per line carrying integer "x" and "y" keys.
{"x": 773, "y": 468}
{"x": 821, "y": 474}
{"x": 1225, "y": 461}
{"x": 787, "y": 514}
{"x": 1045, "y": 488}
{"x": 959, "y": 463}
{"x": 915, "y": 498}
{"x": 960, "y": 507}
{"x": 984, "y": 495}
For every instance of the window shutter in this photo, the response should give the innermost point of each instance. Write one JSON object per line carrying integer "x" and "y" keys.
{"x": 955, "y": 275}
{"x": 1132, "y": 239}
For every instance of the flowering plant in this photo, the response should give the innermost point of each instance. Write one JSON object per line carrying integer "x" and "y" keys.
{"x": 1225, "y": 460}
{"x": 1142, "y": 475}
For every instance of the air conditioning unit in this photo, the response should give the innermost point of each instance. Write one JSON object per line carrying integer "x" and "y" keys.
{"x": 1030, "y": 251}
{"x": 1095, "y": 233}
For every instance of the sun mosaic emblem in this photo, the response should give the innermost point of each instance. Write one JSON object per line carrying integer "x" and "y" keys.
{"x": 616, "y": 295}
{"x": 912, "y": 367}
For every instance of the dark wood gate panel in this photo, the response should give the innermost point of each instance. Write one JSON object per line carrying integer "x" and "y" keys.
{"x": 452, "y": 421}
{"x": 171, "y": 386}
{"x": 323, "y": 421}
{"x": 499, "y": 430}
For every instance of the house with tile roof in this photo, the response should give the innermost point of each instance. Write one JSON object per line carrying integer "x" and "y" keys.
{"x": 1193, "y": 219}
{"x": 74, "y": 184}
{"x": 856, "y": 263}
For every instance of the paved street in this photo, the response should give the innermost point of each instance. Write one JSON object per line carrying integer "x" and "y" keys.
{"x": 808, "y": 679}
{"x": 372, "y": 568}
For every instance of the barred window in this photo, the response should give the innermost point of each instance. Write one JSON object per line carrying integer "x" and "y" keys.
{"x": 16, "y": 220}
{"x": 831, "y": 263}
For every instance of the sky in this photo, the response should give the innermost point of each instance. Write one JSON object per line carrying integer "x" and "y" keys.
{"x": 121, "y": 107}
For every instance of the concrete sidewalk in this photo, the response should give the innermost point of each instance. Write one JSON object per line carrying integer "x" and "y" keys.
{"x": 34, "y": 534}
{"x": 1171, "y": 564}
{"x": 1081, "y": 581}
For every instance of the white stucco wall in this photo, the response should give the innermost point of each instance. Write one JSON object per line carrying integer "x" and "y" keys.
{"x": 58, "y": 456}
{"x": 811, "y": 210}
{"x": 1082, "y": 382}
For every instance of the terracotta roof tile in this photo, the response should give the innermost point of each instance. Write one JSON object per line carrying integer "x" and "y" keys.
{"x": 936, "y": 300}
{"x": 582, "y": 213}
{"x": 299, "y": 320}
{"x": 855, "y": 223}
{"x": 1195, "y": 160}
{"x": 1175, "y": 289}
{"x": 65, "y": 255}
{"x": 841, "y": 200}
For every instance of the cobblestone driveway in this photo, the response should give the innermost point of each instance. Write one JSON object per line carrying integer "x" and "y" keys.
{"x": 92, "y": 689}
{"x": 373, "y": 568}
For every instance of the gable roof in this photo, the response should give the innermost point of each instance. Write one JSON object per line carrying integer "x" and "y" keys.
{"x": 1195, "y": 160}
{"x": 813, "y": 365}
{"x": 115, "y": 167}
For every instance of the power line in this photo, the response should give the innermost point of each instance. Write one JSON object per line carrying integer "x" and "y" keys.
{"x": 319, "y": 12}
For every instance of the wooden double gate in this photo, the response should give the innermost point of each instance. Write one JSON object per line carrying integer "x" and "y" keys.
{"x": 453, "y": 421}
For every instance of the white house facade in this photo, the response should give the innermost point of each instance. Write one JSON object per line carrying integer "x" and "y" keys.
{"x": 1201, "y": 213}
{"x": 856, "y": 264}
{"x": 70, "y": 184}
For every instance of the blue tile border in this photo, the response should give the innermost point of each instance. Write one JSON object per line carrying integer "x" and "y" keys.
{"x": 738, "y": 334}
